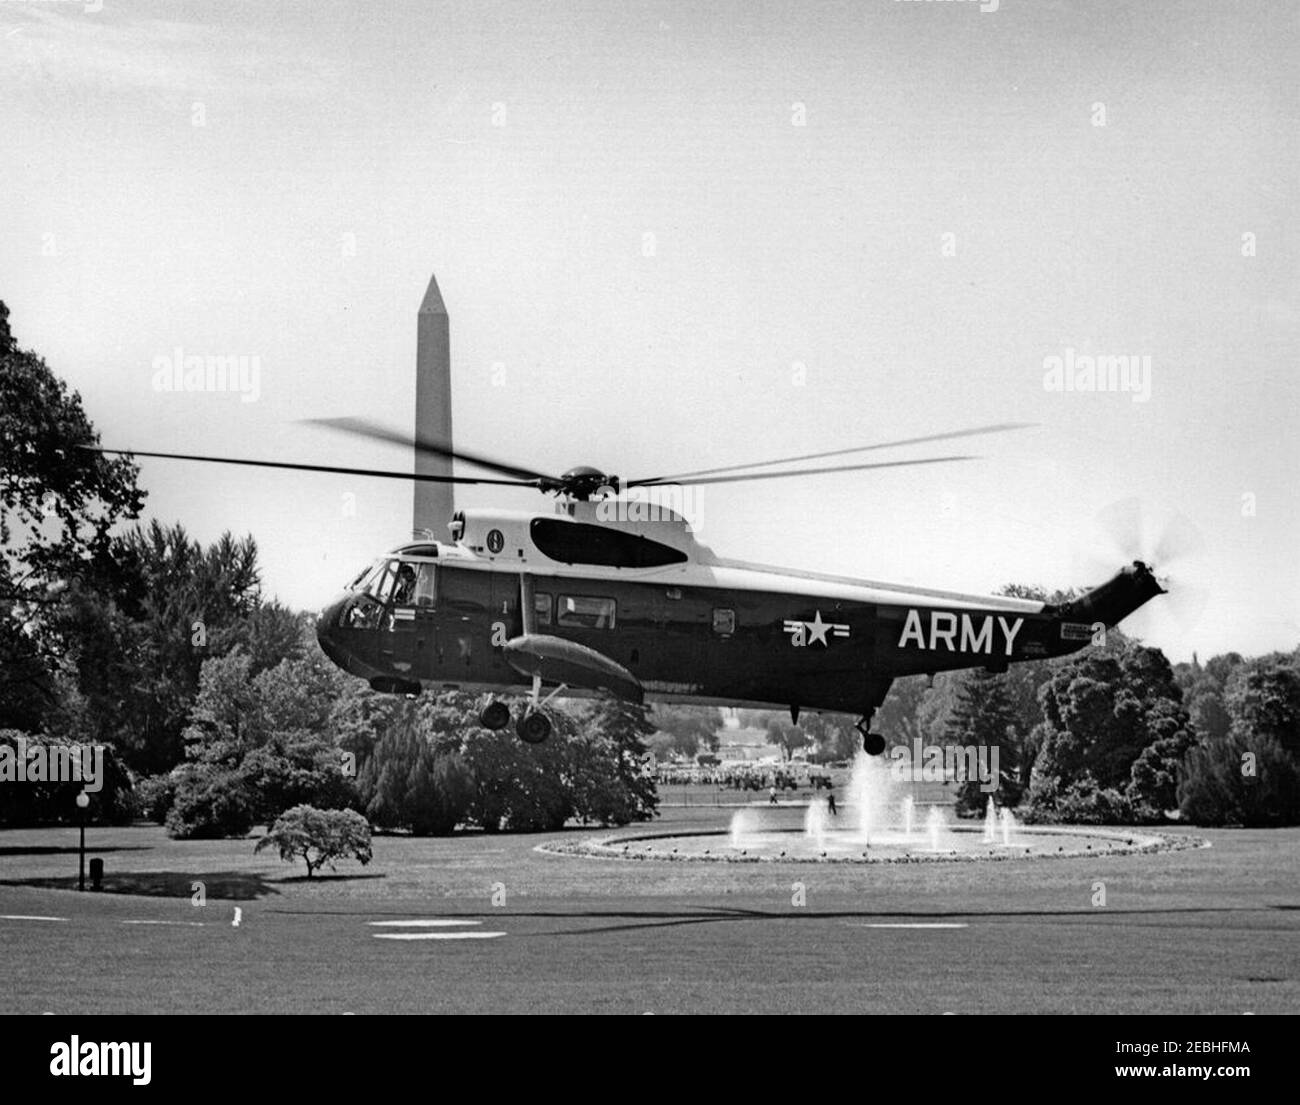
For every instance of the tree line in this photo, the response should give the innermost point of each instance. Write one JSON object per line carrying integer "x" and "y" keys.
{"x": 216, "y": 707}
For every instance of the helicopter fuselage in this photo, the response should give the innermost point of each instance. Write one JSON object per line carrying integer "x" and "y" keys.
{"x": 642, "y": 610}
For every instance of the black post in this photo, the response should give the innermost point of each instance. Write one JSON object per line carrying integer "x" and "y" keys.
{"x": 81, "y": 874}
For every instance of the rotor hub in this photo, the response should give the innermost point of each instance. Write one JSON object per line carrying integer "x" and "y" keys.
{"x": 583, "y": 483}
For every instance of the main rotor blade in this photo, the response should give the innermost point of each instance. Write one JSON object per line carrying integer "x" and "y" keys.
{"x": 803, "y": 472}
{"x": 379, "y": 473}
{"x": 997, "y": 428}
{"x": 372, "y": 431}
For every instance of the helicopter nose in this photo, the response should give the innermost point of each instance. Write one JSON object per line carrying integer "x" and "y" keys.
{"x": 326, "y": 632}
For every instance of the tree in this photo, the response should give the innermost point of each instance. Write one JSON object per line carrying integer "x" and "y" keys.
{"x": 689, "y": 726}
{"x": 1101, "y": 712}
{"x": 359, "y": 717}
{"x": 612, "y": 737}
{"x": 786, "y": 736}
{"x": 1250, "y": 773}
{"x": 593, "y": 767}
{"x": 1209, "y": 712}
{"x": 319, "y": 837}
{"x": 406, "y": 785}
{"x": 1203, "y": 687}
{"x": 137, "y": 630}
{"x": 1153, "y": 777}
{"x": 58, "y": 504}
{"x": 1263, "y": 701}
{"x": 663, "y": 746}
{"x": 934, "y": 713}
{"x": 834, "y": 735}
{"x": 985, "y": 718}
{"x": 518, "y": 787}
{"x": 270, "y": 633}
{"x": 1025, "y": 680}
{"x": 1240, "y": 781}
{"x": 257, "y": 746}
{"x": 31, "y": 802}
{"x": 896, "y": 717}
{"x": 209, "y": 801}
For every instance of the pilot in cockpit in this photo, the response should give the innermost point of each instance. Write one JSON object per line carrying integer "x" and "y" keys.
{"x": 404, "y": 588}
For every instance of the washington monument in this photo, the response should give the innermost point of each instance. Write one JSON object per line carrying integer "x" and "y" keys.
{"x": 433, "y": 501}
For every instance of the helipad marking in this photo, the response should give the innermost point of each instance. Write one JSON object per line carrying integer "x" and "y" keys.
{"x": 197, "y": 924}
{"x": 27, "y": 917}
{"x": 476, "y": 935}
{"x": 914, "y": 925}
{"x": 441, "y": 922}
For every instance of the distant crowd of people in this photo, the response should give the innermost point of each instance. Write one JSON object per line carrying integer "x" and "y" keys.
{"x": 743, "y": 778}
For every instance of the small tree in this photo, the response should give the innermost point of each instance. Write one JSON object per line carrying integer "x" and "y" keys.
{"x": 319, "y": 837}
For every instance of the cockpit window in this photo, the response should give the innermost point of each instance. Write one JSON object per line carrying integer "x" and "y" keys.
{"x": 400, "y": 582}
{"x": 381, "y": 584}
{"x": 404, "y": 585}
{"x": 366, "y": 576}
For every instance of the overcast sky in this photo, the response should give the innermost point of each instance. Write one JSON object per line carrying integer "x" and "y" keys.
{"x": 682, "y": 235}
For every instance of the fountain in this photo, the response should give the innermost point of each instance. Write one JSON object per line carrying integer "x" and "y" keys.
{"x": 934, "y": 825}
{"x": 816, "y": 822}
{"x": 878, "y": 822}
{"x": 744, "y": 828}
{"x": 869, "y": 793}
{"x": 1008, "y": 824}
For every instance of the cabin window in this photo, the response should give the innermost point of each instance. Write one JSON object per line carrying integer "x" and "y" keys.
{"x": 542, "y": 608}
{"x": 426, "y": 586}
{"x": 724, "y": 622}
{"x": 586, "y": 611}
{"x": 579, "y": 543}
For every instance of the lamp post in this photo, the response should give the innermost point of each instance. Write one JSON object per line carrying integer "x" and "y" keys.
{"x": 83, "y": 800}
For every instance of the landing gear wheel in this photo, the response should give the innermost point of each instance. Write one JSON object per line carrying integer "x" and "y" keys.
{"x": 873, "y": 744}
{"x": 534, "y": 727}
{"x": 495, "y": 715}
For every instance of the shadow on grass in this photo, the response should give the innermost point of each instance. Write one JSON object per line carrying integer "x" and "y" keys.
{"x": 327, "y": 880}
{"x": 616, "y": 920}
{"x": 32, "y": 850}
{"x": 239, "y": 886}
{"x": 623, "y": 921}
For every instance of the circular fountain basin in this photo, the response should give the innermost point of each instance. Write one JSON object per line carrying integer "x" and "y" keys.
{"x": 794, "y": 846}
{"x": 879, "y": 821}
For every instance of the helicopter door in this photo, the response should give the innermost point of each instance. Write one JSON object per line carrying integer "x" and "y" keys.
{"x": 409, "y": 640}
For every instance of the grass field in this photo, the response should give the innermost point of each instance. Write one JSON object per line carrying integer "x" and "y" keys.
{"x": 486, "y": 923}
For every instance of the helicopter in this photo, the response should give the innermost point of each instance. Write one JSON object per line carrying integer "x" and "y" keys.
{"x": 600, "y": 596}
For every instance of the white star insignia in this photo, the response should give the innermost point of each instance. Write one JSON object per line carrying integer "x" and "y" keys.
{"x": 803, "y": 634}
